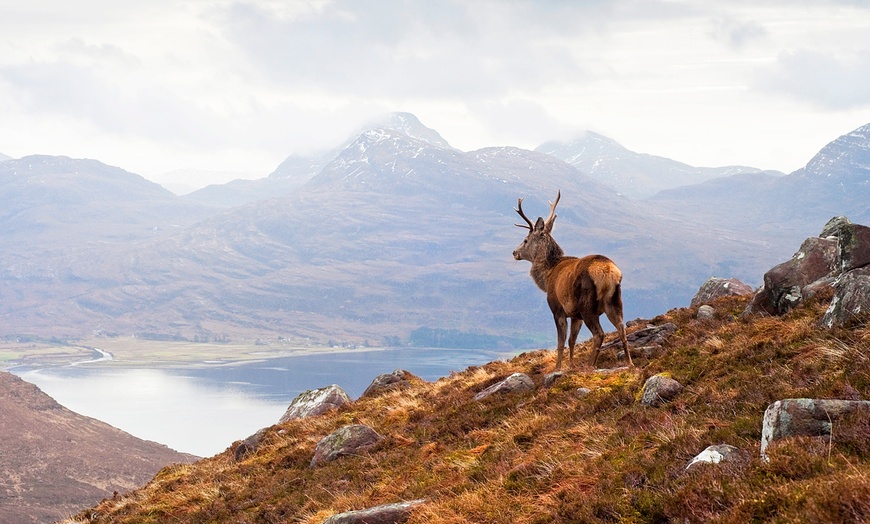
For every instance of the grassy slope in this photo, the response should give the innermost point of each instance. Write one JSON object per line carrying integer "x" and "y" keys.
{"x": 553, "y": 456}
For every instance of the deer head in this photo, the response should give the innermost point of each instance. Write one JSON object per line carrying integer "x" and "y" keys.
{"x": 538, "y": 242}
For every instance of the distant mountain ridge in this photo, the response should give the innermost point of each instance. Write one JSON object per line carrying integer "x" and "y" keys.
{"x": 635, "y": 175}
{"x": 56, "y": 461}
{"x": 393, "y": 232}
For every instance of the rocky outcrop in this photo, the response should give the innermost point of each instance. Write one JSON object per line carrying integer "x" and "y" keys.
{"x": 835, "y": 262}
{"x": 805, "y": 417}
{"x": 315, "y": 402}
{"x": 647, "y": 341}
{"x": 516, "y": 383}
{"x": 349, "y": 440}
{"x": 659, "y": 389}
{"x": 384, "y": 514}
{"x": 716, "y": 287}
{"x": 249, "y": 445}
{"x": 716, "y": 454}
{"x": 388, "y": 381}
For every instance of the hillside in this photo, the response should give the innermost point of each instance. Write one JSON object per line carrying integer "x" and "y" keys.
{"x": 56, "y": 461}
{"x": 564, "y": 454}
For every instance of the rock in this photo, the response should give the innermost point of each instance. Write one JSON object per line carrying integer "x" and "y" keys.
{"x": 648, "y": 336}
{"x": 714, "y": 455}
{"x": 516, "y": 383}
{"x": 582, "y": 392}
{"x": 833, "y": 227}
{"x": 851, "y": 302}
{"x": 716, "y": 287}
{"x": 349, "y": 440}
{"x": 388, "y": 381}
{"x": 804, "y": 417}
{"x": 551, "y": 378}
{"x": 384, "y": 514}
{"x": 760, "y": 303}
{"x": 853, "y": 247}
{"x": 315, "y": 402}
{"x": 816, "y": 259}
{"x": 249, "y": 445}
{"x": 706, "y": 312}
{"x": 659, "y": 389}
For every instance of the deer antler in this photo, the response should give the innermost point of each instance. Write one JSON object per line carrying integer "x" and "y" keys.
{"x": 552, "y": 217}
{"x": 519, "y": 209}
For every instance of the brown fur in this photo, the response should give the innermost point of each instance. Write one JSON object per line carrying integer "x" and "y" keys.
{"x": 580, "y": 289}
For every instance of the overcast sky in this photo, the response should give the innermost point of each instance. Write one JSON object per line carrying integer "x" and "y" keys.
{"x": 162, "y": 86}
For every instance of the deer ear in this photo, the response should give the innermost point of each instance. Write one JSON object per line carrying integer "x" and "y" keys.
{"x": 539, "y": 224}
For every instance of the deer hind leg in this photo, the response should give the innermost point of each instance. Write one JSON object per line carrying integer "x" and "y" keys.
{"x": 614, "y": 315}
{"x": 597, "y": 336}
{"x": 561, "y": 330}
{"x": 576, "y": 324}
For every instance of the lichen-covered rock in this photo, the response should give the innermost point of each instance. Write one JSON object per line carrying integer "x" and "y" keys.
{"x": 834, "y": 226}
{"x": 650, "y": 336}
{"x": 659, "y": 389}
{"x": 706, "y": 312}
{"x": 804, "y": 417}
{"x": 714, "y": 455}
{"x": 783, "y": 284}
{"x": 853, "y": 247}
{"x": 851, "y": 302}
{"x": 551, "y": 378}
{"x": 315, "y": 402}
{"x": 716, "y": 287}
{"x": 516, "y": 383}
{"x": 385, "y": 514}
{"x": 249, "y": 445}
{"x": 388, "y": 381}
{"x": 349, "y": 440}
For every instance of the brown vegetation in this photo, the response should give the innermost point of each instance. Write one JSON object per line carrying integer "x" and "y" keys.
{"x": 553, "y": 456}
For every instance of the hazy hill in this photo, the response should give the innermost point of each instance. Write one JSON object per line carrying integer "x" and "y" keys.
{"x": 836, "y": 181}
{"x": 55, "y": 461}
{"x": 561, "y": 454}
{"x": 3, "y": 157}
{"x": 635, "y": 175}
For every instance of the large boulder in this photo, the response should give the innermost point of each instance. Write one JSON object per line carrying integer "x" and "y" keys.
{"x": 516, "y": 383}
{"x": 349, "y": 440}
{"x": 388, "y": 381}
{"x": 784, "y": 283}
{"x": 659, "y": 389}
{"x": 315, "y": 402}
{"x": 805, "y": 417}
{"x": 851, "y": 302}
{"x": 853, "y": 247}
{"x": 385, "y": 514}
{"x": 716, "y": 287}
{"x": 834, "y": 226}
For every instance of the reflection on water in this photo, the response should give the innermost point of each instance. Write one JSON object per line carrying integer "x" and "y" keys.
{"x": 203, "y": 409}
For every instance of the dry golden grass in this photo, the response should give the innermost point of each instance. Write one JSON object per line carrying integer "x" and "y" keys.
{"x": 554, "y": 456}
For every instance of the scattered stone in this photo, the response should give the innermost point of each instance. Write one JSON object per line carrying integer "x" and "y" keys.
{"x": 384, "y": 514}
{"x": 550, "y": 379}
{"x": 804, "y": 417}
{"x": 853, "y": 247}
{"x": 388, "y": 381}
{"x": 349, "y": 440}
{"x": 714, "y": 455}
{"x": 659, "y": 389}
{"x": 706, "y": 312}
{"x": 851, "y": 302}
{"x": 582, "y": 392}
{"x": 716, "y": 287}
{"x": 610, "y": 371}
{"x": 516, "y": 383}
{"x": 315, "y": 402}
{"x": 834, "y": 226}
{"x": 648, "y": 336}
{"x": 249, "y": 445}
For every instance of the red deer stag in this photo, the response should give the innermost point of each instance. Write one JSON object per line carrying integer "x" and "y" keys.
{"x": 577, "y": 288}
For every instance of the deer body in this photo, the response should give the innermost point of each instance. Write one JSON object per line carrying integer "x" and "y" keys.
{"x": 579, "y": 289}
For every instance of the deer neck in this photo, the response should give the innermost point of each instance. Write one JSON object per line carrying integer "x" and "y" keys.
{"x": 544, "y": 263}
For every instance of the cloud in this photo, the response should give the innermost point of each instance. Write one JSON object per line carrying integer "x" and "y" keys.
{"x": 738, "y": 34}
{"x": 822, "y": 78}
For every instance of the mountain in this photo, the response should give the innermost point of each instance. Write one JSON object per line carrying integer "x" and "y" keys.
{"x": 584, "y": 449}
{"x": 634, "y": 175}
{"x": 4, "y": 158}
{"x": 836, "y": 181}
{"x": 56, "y": 462}
{"x": 296, "y": 170}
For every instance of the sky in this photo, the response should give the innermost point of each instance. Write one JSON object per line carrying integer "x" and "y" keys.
{"x": 188, "y": 93}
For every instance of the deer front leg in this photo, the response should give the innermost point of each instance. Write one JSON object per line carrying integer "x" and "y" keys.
{"x": 561, "y": 331}
{"x": 576, "y": 324}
